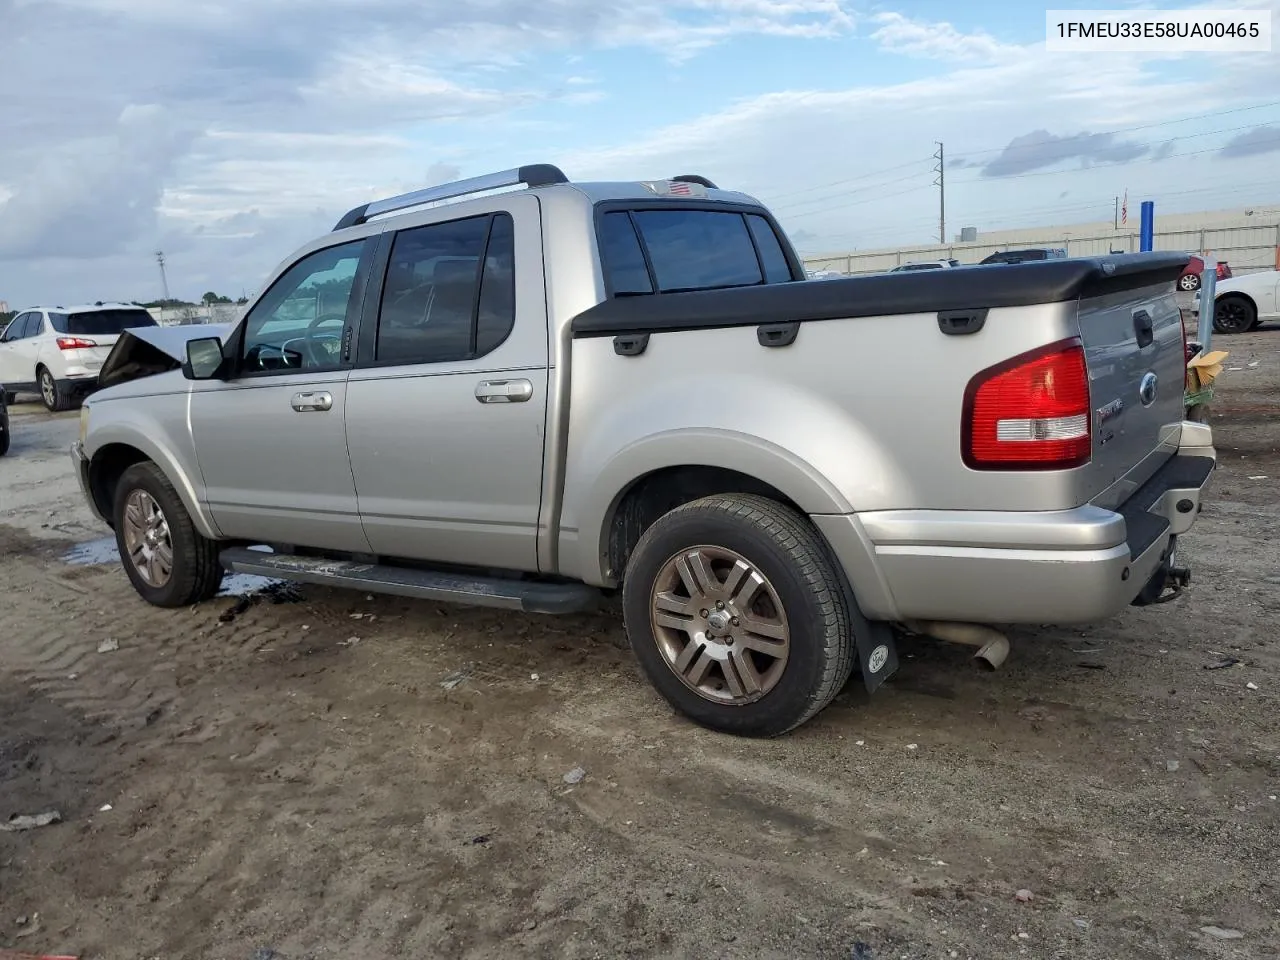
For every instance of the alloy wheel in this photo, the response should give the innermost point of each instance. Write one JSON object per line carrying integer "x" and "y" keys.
{"x": 720, "y": 625}
{"x": 147, "y": 538}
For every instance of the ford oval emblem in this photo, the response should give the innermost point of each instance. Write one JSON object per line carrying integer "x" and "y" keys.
{"x": 1147, "y": 389}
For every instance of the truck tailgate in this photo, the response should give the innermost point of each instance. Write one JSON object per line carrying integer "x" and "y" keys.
{"x": 1134, "y": 353}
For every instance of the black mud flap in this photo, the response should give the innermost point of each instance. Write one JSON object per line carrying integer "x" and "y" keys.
{"x": 877, "y": 646}
{"x": 877, "y": 650}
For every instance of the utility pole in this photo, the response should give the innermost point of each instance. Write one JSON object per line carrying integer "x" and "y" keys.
{"x": 941, "y": 184}
{"x": 164, "y": 280}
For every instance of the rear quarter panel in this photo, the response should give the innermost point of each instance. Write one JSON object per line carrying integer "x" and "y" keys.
{"x": 856, "y": 415}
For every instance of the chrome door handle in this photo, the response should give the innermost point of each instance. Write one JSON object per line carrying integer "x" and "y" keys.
{"x": 309, "y": 402}
{"x": 504, "y": 391}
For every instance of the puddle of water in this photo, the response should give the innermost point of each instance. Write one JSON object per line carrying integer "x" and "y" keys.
{"x": 104, "y": 551}
{"x": 237, "y": 584}
{"x": 93, "y": 553}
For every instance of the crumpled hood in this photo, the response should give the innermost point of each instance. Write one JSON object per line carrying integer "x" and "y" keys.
{"x": 146, "y": 351}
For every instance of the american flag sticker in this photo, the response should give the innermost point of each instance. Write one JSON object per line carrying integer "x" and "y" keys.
{"x": 678, "y": 188}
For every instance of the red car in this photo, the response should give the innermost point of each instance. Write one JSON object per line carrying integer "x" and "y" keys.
{"x": 1190, "y": 279}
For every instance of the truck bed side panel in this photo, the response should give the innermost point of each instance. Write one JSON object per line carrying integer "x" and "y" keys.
{"x": 857, "y": 415}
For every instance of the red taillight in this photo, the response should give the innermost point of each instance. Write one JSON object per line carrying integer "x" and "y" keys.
{"x": 75, "y": 343}
{"x": 1030, "y": 413}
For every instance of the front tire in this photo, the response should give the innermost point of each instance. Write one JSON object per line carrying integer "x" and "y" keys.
{"x": 168, "y": 562}
{"x": 56, "y": 398}
{"x": 1234, "y": 314}
{"x": 738, "y": 615}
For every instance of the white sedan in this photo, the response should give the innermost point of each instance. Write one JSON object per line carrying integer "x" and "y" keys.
{"x": 1245, "y": 301}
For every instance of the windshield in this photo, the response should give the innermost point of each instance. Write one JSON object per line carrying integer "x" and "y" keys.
{"x": 100, "y": 323}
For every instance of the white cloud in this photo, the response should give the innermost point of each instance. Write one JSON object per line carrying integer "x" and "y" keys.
{"x": 918, "y": 38}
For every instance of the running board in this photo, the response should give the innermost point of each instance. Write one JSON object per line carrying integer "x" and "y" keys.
{"x": 525, "y": 595}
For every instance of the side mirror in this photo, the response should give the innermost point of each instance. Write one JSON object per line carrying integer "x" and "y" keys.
{"x": 204, "y": 359}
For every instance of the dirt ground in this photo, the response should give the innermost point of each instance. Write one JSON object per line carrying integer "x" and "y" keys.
{"x": 336, "y": 776}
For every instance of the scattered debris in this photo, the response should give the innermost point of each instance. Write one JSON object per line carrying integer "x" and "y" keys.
{"x": 1222, "y": 664}
{"x": 1081, "y": 922}
{"x": 533, "y": 676}
{"x": 105, "y": 808}
{"x": 349, "y": 642}
{"x": 859, "y": 743}
{"x": 1091, "y": 665}
{"x": 531, "y": 925}
{"x": 457, "y": 678}
{"x": 1251, "y": 685}
{"x": 1025, "y": 896}
{"x": 862, "y": 951}
{"x": 481, "y": 839}
{"x": 264, "y": 953}
{"x": 1257, "y": 478}
{"x": 575, "y": 775}
{"x": 1222, "y": 933}
{"x": 17, "y": 823}
{"x": 109, "y": 646}
{"x": 913, "y": 746}
{"x": 1171, "y": 766}
{"x": 29, "y": 925}
{"x": 243, "y": 603}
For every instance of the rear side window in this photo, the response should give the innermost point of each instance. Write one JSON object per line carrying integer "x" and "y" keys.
{"x": 100, "y": 323}
{"x": 438, "y": 303}
{"x": 672, "y": 250}
{"x": 776, "y": 269}
{"x": 620, "y": 249}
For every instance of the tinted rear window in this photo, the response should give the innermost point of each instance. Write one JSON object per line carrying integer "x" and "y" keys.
{"x": 689, "y": 250}
{"x": 100, "y": 323}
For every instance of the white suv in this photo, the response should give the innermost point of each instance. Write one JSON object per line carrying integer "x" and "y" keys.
{"x": 58, "y": 351}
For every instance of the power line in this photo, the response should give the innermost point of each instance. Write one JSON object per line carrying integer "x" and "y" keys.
{"x": 1145, "y": 126}
{"x": 824, "y": 203}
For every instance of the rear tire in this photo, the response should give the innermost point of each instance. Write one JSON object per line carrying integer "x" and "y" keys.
{"x": 55, "y": 396}
{"x": 168, "y": 562}
{"x": 1189, "y": 282}
{"x": 1234, "y": 314}
{"x": 738, "y": 615}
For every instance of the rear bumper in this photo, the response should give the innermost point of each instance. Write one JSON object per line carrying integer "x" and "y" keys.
{"x": 1069, "y": 566}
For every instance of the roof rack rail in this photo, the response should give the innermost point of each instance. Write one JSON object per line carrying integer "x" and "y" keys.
{"x": 694, "y": 178}
{"x": 531, "y": 175}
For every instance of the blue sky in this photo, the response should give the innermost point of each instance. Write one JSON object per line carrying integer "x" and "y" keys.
{"x": 228, "y": 132}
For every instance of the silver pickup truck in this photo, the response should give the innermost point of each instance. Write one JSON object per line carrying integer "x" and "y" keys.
{"x": 529, "y": 393}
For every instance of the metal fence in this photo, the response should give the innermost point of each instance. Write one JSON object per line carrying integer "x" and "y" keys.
{"x": 1246, "y": 249}
{"x": 204, "y": 313}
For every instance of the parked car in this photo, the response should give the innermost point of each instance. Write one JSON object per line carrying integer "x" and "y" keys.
{"x": 1027, "y": 255}
{"x": 4, "y": 425}
{"x": 531, "y": 398}
{"x": 58, "y": 351}
{"x": 1245, "y": 302}
{"x": 1190, "y": 279}
{"x": 925, "y": 265}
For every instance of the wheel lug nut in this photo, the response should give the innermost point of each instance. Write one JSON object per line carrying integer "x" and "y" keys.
{"x": 719, "y": 604}
{"x": 704, "y": 613}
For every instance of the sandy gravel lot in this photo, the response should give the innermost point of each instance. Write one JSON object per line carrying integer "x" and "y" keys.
{"x": 333, "y": 776}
